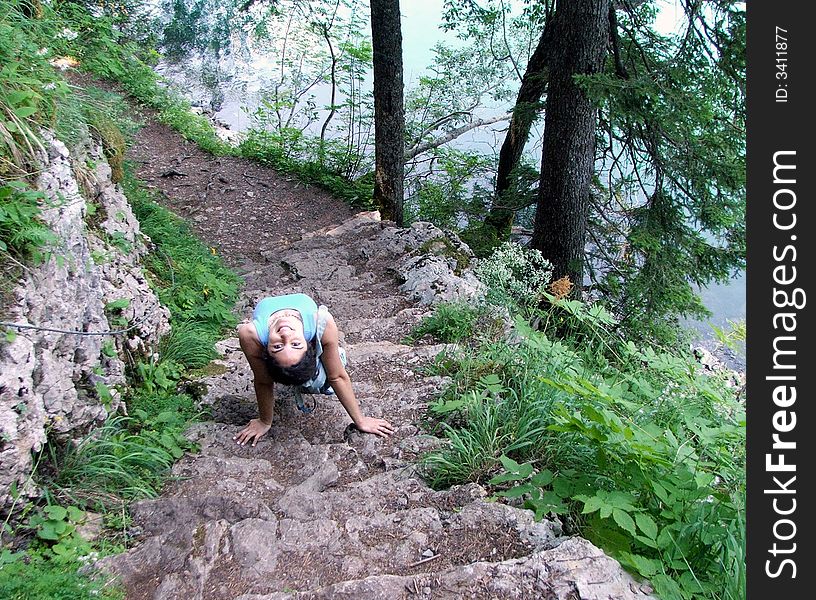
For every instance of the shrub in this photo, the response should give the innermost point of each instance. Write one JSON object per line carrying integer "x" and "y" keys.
{"x": 515, "y": 276}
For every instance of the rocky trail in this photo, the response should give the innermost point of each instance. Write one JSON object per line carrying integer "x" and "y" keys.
{"x": 317, "y": 509}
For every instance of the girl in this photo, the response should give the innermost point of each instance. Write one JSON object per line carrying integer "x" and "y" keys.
{"x": 292, "y": 341}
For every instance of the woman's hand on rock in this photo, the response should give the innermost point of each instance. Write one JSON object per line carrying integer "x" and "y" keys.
{"x": 379, "y": 427}
{"x": 252, "y": 432}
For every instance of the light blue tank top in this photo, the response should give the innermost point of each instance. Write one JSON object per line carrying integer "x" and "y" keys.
{"x": 271, "y": 304}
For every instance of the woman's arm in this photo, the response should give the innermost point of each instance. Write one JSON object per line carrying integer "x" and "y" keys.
{"x": 338, "y": 379}
{"x": 263, "y": 383}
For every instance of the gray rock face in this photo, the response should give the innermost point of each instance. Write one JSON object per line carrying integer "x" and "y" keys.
{"x": 319, "y": 510}
{"x": 49, "y": 380}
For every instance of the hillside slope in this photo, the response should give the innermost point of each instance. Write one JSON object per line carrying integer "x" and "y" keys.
{"x": 316, "y": 509}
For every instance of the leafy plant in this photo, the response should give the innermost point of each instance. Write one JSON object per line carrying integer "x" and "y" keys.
{"x": 114, "y": 310}
{"x": 122, "y": 459}
{"x": 58, "y": 524}
{"x": 189, "y": 279}
{"x": 25, "y": 576}
{"x": 189, "y": 344}
{"x": 449, "y": 322}
{"x": 731, "y": 336}
{"x": 22, "y": 232}
{"x": 515, "y": 276}
{"x": 29, "y": 87}
{"x": 636, "y": 448}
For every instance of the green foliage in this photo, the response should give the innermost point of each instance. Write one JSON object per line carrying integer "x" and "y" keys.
{"x": 189, "y": 344}
{"x": 636, "y": 448}
{"x": 732, "y": 336}
{"x": 290, "y": 151}
{"x": 29, "y": 85}
{"x": 30, "y": 576}
{"x": 190, "y": 279}
{"x": 157, "y": 376}
{"x": 449, "y": 322}
{"x": 57, "y": 526}
{"x": 188, "y": 30}
{"x": 114, "y": 310}
{"x": 452, "y": 193}
{"x": 177, "y": 114}
{"x": 125, "y": 458}
{"x": 678, "y": 212}
{"x": 22, "y": 232}
{"x": 100, "y": 45}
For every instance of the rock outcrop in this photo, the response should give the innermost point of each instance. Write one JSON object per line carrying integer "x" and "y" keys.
{"x": 319, "y": 510}
{"x": 58, "y": 376}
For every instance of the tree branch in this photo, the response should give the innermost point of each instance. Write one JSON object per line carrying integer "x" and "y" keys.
{"x": 453, "y": 134}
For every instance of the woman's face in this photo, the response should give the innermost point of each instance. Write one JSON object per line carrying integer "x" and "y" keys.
{"x": 287, "y": 344}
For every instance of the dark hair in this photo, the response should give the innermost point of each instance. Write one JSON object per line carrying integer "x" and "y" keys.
{"x": 296, "y": 374}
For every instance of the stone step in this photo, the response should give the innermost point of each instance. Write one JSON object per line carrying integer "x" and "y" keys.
{"x": 574, "y": 569}
{"x": 329, "y": 543}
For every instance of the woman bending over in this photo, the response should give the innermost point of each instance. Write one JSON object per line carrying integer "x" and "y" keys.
{"x": 292, "y": 341}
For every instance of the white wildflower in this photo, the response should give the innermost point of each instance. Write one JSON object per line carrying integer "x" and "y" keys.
{"x": 514, "y": 273}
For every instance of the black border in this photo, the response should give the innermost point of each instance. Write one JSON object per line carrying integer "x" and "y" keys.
{"x": 774, "y": 126}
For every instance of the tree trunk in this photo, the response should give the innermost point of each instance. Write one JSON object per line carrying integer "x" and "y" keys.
{"x": 389, "y": 113}
{"x": 580, "y": 37}
{"x": 528, "y": 102}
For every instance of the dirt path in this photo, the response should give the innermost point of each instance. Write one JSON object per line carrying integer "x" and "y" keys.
{"x": 316, "y": 509}
{"x": 237, "y": 206}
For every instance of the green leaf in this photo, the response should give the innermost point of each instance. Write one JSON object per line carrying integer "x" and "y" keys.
{"x": 56, "y": 512}
{"x": 542, "y": 478}
{"x": 170, "y": 444}
{"x": 492, "y": 383}
{"x": 690, "y": 584}
{"x": 648, "y": 542}
{"x": 664, "y": 539}
{"x": 119, "y": 304}
{"x": 166, "y": 417}
{"x": 25, "y": 111}
{"x": 75, "y": 515}
{"x": 647, "y": 525}
{"x": 509, "y": 464}
{"x": 624, "y": 521}
{"x": 504, "y": 478}
{"x": 517, "y": 491}
{"x": 47, "y": 532}
{"x": 103, "y": 392}
{"x": 660, "y": 491}
{"x": 447, "y": 406}
{"x": 18, "y": 96}
{"x": 621, "y": 500}
{"x": 645, "y": 566}
{"x": 61, "y": 549}
{"x": 563, "y": 486}
{"x": 666, "y": 587}
{"x": 591, "y": 504}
